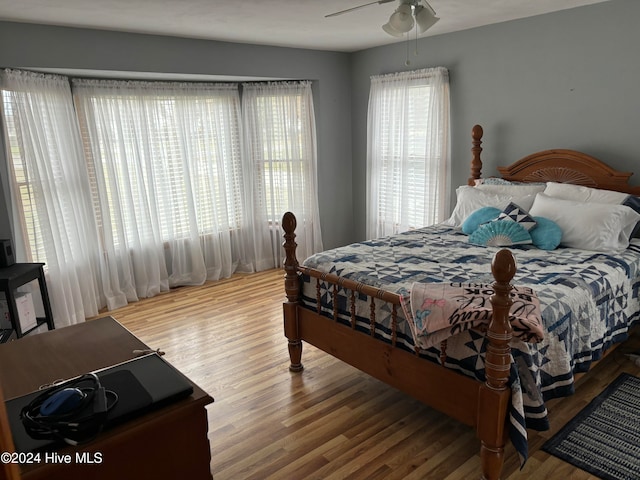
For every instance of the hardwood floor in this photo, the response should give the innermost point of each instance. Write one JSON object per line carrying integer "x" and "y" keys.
{"x": 330, "y": 421}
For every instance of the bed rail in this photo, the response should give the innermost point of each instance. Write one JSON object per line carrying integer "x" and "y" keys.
{"x": 352, "y": 287}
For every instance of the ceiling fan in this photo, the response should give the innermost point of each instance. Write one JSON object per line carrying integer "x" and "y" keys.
{"x": 409, "y": 13}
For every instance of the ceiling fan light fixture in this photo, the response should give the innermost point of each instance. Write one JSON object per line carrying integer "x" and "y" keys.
{"x": 387, "y": 27}
{"x": 409, "y": 13}
{"x": 425, "y": 17}
{"x": 402, "y": 19}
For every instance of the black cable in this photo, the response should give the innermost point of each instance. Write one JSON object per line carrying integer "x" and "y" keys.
{"x": 79, "y": 424}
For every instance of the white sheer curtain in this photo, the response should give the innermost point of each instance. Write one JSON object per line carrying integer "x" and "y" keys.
{"x": 167, "y": 164}
{"x": 281, "y": 155}
{"x": 147, "y": 185}
{"x": 51, "y": 183}
{"x": 408, "y": 151}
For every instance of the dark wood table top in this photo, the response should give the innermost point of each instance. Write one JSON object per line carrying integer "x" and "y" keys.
{"x": 35, "y": 360}
{"x": 18, "y": 274}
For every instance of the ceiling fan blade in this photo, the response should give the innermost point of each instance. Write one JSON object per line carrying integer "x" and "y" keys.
{"x": 426, "y": 5}
{"x": 379, "y": 2}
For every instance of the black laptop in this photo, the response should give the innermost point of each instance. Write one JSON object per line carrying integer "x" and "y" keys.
{"x": 142, "y": 385}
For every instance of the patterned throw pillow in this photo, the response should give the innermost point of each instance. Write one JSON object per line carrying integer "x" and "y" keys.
{"x": 519, "y": 215}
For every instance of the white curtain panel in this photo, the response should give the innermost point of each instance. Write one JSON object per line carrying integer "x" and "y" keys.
{"x": 148, "y": 185}
{"x": 45, "y": 156}
{"x": 168, "y": 169}
{"x": 408, "y": 151}
{"x": 281, "y": 155}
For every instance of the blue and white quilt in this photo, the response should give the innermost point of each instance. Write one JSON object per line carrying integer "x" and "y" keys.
{"x": 588, "y": 301}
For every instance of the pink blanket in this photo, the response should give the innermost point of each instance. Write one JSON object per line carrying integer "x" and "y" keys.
{"x": 436, "y": 311}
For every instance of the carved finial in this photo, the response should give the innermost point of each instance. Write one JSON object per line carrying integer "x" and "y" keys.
{"x": 289, "y": 222}
{"x": 503, "y": 266}
{"x": 476, "y": 133}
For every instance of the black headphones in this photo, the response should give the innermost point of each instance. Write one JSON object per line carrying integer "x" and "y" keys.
{"x": 74, "y": 411}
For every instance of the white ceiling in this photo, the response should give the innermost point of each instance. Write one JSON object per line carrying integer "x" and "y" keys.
{"x": 287, "y": 23}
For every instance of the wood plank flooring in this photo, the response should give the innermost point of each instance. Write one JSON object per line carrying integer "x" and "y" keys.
{"x": 330, "y": 421}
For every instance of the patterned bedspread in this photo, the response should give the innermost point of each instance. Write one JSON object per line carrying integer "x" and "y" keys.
{"x": 588, "y": 302}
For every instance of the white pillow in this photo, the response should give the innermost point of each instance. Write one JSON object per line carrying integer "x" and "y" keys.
{"x": 579, "y": 193}
{"x": 518, "y": 190}
{"x": 588, "y": 226}
{"x": 469, "y": 199}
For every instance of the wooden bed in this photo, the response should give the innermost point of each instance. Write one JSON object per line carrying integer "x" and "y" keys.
{"x": 484, "y": 406}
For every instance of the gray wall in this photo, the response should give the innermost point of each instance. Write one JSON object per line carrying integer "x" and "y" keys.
{"x": 564, "y": 80}
{"x": 25, "y": 45}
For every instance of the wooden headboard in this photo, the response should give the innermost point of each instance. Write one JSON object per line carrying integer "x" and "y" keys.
{"x": 558, "y": 165}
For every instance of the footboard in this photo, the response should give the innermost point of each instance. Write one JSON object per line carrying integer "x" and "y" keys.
{"x": 483, "y": 406}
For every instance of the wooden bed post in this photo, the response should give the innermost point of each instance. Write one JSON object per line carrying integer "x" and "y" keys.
{"x": 495, "y": 394}
{"x": 476, "y": 162}
{"x": 292, "y": 290}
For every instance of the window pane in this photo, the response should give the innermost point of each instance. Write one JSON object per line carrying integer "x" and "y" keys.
{"x": 174, "y": 155}
{"x": 408, "y": 117}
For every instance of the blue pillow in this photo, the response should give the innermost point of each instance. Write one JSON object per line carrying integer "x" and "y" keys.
{"x": 478, "y": 217}
{"x": 547, "y": 234}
